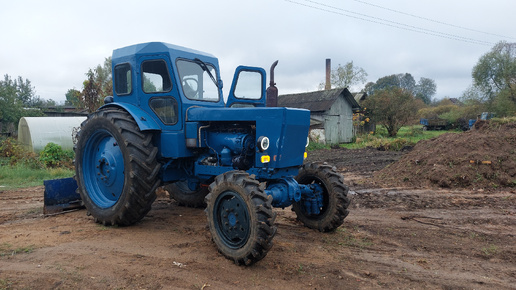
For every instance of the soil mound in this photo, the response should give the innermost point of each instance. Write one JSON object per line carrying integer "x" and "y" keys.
{"x": 482, "y": 158}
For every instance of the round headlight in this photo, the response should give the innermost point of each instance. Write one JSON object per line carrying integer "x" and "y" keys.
{"x": 263, "y": 143}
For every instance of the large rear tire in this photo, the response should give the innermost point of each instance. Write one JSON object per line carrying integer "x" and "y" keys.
{"x": 240, "y": 217}
{"x": 116, "y": 167}
{"x": 181, "y": 192}
{"x": 335, "y": 201}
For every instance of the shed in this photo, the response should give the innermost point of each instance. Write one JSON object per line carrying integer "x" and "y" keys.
{"x": 331, "y": 113}
{"x": 34, "y": 133}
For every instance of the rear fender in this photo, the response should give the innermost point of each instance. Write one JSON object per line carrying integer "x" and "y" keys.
{"x": 143, "y": 119}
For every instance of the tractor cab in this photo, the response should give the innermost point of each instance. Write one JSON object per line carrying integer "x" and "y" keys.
{"x": 163, "y": 81}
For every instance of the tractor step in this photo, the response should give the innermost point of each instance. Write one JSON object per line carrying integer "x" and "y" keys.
{"x": 60, "y": 196}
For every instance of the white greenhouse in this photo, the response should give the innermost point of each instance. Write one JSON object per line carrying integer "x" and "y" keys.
{"x": 34, "y": 133}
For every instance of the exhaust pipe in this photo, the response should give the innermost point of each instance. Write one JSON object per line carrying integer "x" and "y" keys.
{"x": 272, "y": 91}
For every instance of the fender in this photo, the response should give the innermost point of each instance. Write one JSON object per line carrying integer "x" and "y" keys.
{"x": 145, "y": 121}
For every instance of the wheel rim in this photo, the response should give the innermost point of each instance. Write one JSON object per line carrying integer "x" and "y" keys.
{"x": 232, "y": 221}
{"x": 103, "y": 169}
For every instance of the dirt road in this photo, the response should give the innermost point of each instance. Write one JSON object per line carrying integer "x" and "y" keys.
{"x": 393, "y": 238}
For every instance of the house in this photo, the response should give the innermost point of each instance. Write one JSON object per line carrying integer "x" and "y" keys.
{"x": 331, "y": 113}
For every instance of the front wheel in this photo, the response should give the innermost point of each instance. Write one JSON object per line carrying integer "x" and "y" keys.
{"x": 240, "y": 217}
{"x": 335, "y": 201}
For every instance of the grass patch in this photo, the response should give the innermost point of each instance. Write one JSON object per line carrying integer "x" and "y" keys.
{"x": 20, "y": 175}
{"x": 5, "y": 284}
{"x": 317, "y": 146}
{"x": 407, "y": 136}
{"x": 490, "y": 250}
{"x": 7, "y": 250}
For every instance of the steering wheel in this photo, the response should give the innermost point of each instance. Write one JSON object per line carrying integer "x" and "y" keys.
{"x": 191, "y": 88}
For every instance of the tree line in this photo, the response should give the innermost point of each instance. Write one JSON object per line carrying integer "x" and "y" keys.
{"x": 397, "y": 100}
{"x": 18, "y": 99}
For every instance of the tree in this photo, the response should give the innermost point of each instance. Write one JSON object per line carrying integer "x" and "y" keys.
{"x": 404, "y": 81}
{"x": 103, "y": 77}
{"x": 25, "y": 92}
{"x": 91, "y": 95}
{"x": 10, "y": 105}
{"x": 73, "y": 97}
{"x": 407, "y": 82}
{"x": 346, "y": 76}
{"x": 425, "y": 90}
{"x": 392, "y": 107}
{"x": 96, "y": 87}
{"x": 15, "y": 96}
{"x": 495, "y": 72}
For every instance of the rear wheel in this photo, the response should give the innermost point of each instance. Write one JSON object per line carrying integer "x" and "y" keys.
{"x": 335, "y": 201}
{"x": 181, "y": 192}
{"x": 240, "y": 217}
{"x": 116, "y": 168}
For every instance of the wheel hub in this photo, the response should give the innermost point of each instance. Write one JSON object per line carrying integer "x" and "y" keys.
{"x": 233, "y": 219}
{"x": 104, "y": 169}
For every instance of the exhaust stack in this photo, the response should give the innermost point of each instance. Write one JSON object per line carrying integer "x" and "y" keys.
{"x": 272, "y": 91}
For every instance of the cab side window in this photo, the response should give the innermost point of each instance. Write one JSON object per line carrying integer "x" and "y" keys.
{"x": 155, "y": 76}
{"x": 123, "y": 82}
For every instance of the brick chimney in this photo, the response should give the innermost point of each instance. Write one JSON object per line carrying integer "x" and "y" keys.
{"x": 328, "y": 74}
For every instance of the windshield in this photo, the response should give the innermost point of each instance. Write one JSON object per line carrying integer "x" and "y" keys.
{"x": 196, "y": 82}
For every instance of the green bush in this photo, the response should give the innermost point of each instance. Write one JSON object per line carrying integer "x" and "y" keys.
{"x": 9, "y": 147}
{"x": 54, "y": 156}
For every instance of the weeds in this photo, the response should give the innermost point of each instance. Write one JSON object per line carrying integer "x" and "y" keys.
{"x": 407, "y": 137}
{"x": 20, "y": 168}
{"x": 490, "y": 250}
{"x": 7, "y": 250}
{"x": 5, "y": 284}
{"x": 317, "y": 146}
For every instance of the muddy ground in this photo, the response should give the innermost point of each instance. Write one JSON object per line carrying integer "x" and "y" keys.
{"x": 405, "y": 238}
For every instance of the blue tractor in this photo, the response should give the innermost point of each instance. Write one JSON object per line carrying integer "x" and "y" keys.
{"x": 167, "y": 124}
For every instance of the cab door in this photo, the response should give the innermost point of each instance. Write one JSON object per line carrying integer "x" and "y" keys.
{"x": 248, "y": 88}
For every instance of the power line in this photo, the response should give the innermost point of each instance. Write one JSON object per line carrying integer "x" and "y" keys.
{"x": 386, "y": 22}
{"x": 433, "y": 20}
{"x": 405, "y": 26}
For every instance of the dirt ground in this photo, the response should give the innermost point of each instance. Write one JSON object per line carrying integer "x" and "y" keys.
{"x": 413, "y": 237}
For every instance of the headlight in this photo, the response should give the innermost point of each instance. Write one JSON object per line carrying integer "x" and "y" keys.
{"x": 263, "y": 143}
{"x": 307, "y": 141}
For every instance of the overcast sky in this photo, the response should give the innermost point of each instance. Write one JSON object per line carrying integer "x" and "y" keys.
{"x": 54, "y": 43}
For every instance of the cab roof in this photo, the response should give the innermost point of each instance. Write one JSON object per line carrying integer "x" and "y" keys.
{"x": 135, "y": 51}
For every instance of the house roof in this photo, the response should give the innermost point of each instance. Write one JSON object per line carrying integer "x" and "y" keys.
{"x": 318, "y": 101}
{"x": 359, "y": 97}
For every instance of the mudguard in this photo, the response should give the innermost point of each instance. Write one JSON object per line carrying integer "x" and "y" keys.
{"x": 143, "y": 119}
